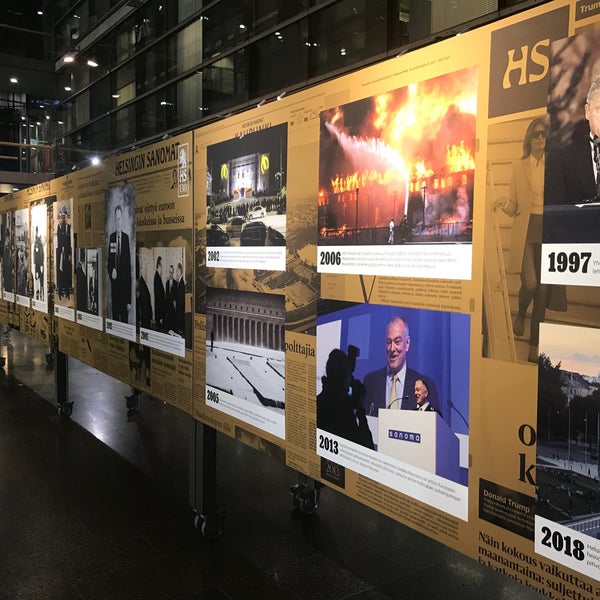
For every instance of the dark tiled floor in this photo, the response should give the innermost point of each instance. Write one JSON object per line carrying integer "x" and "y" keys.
{"x": 96, "y": 507}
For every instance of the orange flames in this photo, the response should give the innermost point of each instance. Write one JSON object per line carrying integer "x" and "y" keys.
{"x": 429, "y": 126}
{"x": 458, "y": 158}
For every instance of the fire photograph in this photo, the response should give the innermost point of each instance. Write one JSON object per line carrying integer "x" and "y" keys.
{"x": 397, "y": 169}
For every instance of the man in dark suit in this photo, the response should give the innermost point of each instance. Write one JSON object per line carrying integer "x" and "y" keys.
{"x": 179, "y": 301}
{"x": 119, "y": 270}
{"x": 170, "y": 300}
{"x": 394, "y": 385}
{"x": 422, "y": 398}
{"x": 570, "y": 171}
{"x": 159, "y": 296}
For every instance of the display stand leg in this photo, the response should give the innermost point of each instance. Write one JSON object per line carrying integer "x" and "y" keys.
{"x": 203, "y": 480}
{"x": 61, "y": 384}
{"x": 133, "y": 400}
{"x": 306, "y": 495}
{"x": 7, "y": 374}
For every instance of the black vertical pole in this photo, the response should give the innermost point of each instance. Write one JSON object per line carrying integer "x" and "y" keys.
{"x": 203, "y": 479}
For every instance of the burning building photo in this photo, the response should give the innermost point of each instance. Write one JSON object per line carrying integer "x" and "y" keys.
{"x": 399, "y": 167}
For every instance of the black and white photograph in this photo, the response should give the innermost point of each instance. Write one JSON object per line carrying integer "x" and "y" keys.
{"x": 246, "y": 200}
{"x": 161, "y": 298}
{"x": 64, "y": 300}
{"x": 120, "y": 293}
{"x": 88, "y": 287}
{"x": 23, "y": 248}
{"x": 245, "y": 357}
{"x": 139, "y": 364}
{"x": 39, "y": 262}
{"x": 8, "y": 257}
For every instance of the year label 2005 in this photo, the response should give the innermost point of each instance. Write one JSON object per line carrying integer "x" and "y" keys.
{"x": 212, "y": 396}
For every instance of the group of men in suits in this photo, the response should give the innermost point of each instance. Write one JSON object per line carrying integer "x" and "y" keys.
{"x": 169, "y": 299}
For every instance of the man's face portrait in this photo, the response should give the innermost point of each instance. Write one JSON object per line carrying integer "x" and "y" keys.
{"x": 397, "y": 343}
{"x": 118, "y": 216}
{"x": 170, "y": 272}
{"x": 421, "y": 392}
{"x": 592, "y": 114}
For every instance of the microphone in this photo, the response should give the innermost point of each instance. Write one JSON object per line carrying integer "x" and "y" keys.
{"x": 452, "y": 406}
{"x": 396, "y": 400}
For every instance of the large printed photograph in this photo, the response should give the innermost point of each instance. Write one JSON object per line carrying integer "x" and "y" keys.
{"x": 89, "y": 296}
{"x": 571, "y": 228}
{"x": 393, "y": 389}
{"x": 163, "y": 290}
{"x": 245, "y": 357}
{"x": 23, "y": 250}
{"x": 246, "y": 200}
{"x": 8, "y": 260}
{"x": 120, "y": 292}
{"x": 397, "y": 169}
{"x": 64, "y": 300}
{"x": 568, "y": 445}
{"x": 39, "y": 260}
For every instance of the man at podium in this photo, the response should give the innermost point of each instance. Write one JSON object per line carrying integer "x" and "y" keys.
{"x": 422, "y": 398}
{"x": 393, "y": 386}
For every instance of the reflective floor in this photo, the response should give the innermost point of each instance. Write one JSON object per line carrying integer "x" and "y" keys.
{"x": 96, "y": 507}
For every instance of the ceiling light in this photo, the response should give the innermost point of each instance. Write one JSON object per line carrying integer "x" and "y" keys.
{"x": 14, "y": 80}
{"x": 91, "y": 63}
{"x": 37, "y": 123}
{"x": 61, "y": 122}
{"x": 40, "y": 12}
{"x": 68, "y": 58}
{"x": 47, "y": 116}
{"x": 115, "y": 96}
{"x": 23, "y": 119}
{"x": 67, "y": 88}
{"x": 15, "y": 189}
{"x": 281, "y": 96}
{"x": 95, "y": 160}
{"x": 242, "y": 26}
{"x": 261, "y": 103}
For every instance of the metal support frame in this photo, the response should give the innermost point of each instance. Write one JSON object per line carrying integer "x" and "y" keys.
{"x": 203, "y": 480}
{"x": 61, "y": 383}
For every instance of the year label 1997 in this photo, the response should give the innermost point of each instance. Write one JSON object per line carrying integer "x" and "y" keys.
{"x": 571, "y": 264}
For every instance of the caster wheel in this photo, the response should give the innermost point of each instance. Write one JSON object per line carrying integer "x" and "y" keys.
{"x": 65, "y": 409}
{"x": 210, "y": 526}
{"x": 132, "y": 402}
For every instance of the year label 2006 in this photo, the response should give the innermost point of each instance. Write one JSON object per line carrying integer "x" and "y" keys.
{"x": 564, "y": 544}
{"x": 330, "y": 258}
{"x": 574, "y": 262}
